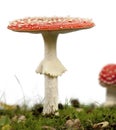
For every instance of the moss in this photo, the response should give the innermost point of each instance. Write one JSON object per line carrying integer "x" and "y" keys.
{"x": 89, "y": 116}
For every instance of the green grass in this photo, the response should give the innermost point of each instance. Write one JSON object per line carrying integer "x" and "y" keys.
{"x": 34, "y": 120}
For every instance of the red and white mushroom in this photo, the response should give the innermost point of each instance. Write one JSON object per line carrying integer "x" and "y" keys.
{"x": 107, "y": 78}
{"x": 50, "y": 66}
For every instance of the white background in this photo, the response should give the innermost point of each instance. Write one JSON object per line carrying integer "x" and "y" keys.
{"x": 83, "y": 52}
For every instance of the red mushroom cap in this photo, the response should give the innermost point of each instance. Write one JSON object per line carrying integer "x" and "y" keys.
{"x": 107, "y": 76}
{"x": 38, "y": 24}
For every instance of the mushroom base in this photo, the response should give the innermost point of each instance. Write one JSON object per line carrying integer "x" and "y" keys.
{"x": 110, "y": 96}
{"x": 51, "y": 95}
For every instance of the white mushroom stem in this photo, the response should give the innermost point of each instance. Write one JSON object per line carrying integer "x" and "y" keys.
{"x": 51, "y": 67}
{"x": 51, "y": 95}
{"x": 110, "y": 96}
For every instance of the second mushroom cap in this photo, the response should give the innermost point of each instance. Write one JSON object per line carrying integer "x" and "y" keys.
{"x": 107, "y": 76}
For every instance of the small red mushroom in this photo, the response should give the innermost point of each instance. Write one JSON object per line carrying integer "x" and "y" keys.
{"x": 107, "y": 78}
{"x": 50, "y": 66}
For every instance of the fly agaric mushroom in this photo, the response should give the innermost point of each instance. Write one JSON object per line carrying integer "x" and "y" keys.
{"x": 107, "y": 78}
{"x": 50, "y": 66}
